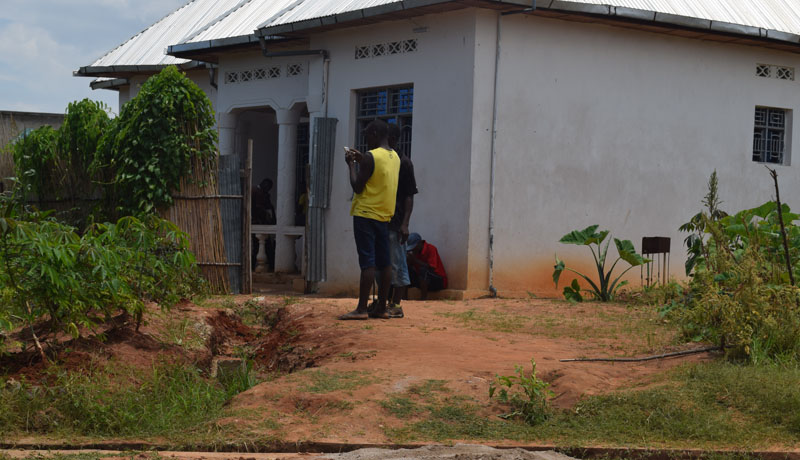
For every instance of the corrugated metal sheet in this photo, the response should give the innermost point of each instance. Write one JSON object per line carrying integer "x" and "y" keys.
{"x": 205, "y": 20}
{"x": 782, "y": 15}
{"x": 148, "y": 46}
{"x": 241, "y": 20}
{"x": 231, "y": 210}
{"x": 323, "y": 149}
{"x": 311, "y": 9}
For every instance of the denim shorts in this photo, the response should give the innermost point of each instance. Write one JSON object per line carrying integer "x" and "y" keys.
{"x": 399, "y": 264}
{"x": 372, "y": 242}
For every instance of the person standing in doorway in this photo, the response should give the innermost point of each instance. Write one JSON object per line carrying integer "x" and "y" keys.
{"x": 398, "y": 226}
{"x": 373, "y": 177}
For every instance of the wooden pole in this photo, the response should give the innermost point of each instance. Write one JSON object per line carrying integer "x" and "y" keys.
{"x": 247, "y": 170}
{"x": 774, "y": 175}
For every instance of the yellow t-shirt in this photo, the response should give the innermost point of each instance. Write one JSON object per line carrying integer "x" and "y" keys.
{"x": 377, "y": 200}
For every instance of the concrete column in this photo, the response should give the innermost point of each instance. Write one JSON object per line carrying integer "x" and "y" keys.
{"x": 227, "y": 133}
{"x": 287, "y": 161}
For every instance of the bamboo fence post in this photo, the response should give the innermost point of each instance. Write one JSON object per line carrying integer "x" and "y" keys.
{"x": 247, "y": 279}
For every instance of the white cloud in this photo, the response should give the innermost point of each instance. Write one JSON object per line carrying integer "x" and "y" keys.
{"x": 42, "y": 42}
{"x": 144, "y": 10}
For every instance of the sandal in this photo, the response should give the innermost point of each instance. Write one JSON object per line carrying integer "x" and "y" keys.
{"x": 354, "y": 315}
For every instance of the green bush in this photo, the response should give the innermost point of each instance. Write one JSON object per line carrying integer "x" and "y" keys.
{"x": 36, "y": 161}
{"x": 52, "y": 273}
{"x": 739, "y": 300}
{"x": 162, "y": 136}
{"x": 52, "y": 164}
{"x": 740, "y": 295}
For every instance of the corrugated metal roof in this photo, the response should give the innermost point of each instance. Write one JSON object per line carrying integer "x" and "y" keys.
{"x": 312, "y": 9}
{"x": 148, "y": 46}
{"x": 782, "y": 15}
{"x": 200, "y": 22}
{"x": 241, "y": 20}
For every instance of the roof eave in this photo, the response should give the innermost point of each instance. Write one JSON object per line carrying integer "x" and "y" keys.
{"x": 183, "y": 49}
{"x": 612, "y": 12}
{"x": 126, "y": 70}
{"x": 113, "y": 84}
{"x": 666, "y": 19}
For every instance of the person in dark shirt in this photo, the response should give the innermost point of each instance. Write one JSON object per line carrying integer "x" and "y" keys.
{"x": 398, "y": 226}
{"x": 263, "y": 212}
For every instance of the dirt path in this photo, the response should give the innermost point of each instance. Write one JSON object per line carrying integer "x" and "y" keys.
{"x": 464, "y": 344}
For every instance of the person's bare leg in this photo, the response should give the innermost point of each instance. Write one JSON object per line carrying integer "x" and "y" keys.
{"x": 367, "y": 276}
{"x": 365, "y": 284}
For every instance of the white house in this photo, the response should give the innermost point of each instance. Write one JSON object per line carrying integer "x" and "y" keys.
{"x": 525, "y": 120}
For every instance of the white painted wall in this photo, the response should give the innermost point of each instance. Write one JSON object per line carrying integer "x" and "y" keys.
{"x": 596, "y": 124}
{"x": 282, "y": 92}
{"x": 609, "y": 126}
{"x": 442, "y": 74}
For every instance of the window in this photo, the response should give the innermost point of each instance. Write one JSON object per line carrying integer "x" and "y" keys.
{"x": 770, "y": 140}
{"x": 392, "y": 105}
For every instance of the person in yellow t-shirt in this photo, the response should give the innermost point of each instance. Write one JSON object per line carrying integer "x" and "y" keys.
{"x": 373, "y": 177}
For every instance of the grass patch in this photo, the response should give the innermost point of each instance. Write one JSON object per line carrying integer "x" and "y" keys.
{"x": 640, "y": 325}
{"x": 401, "y": 407}
{"x": 327, "y": 382}
{"x": 704, "y": 405}
{"x": 184, "y": 332}
{"x": 428, "y": 388}
{"x": 116, "y": 401}
{"x": 493, "y": 320}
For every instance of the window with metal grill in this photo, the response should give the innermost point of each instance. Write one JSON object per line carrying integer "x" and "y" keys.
{"x": 392, "y": 105}
{"x": 770, "y": 142}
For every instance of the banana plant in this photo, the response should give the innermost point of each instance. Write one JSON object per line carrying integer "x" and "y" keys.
{"x": 606, "y": 287}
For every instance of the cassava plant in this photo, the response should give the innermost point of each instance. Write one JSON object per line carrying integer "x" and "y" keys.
{"x": 54, "y": 279}
{"x": 606, "y": 287}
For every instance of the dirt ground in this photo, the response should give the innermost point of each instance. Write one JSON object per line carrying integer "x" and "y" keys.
{"x": 458, "y": 452}
{"x": 434, "y": 342}
{"x": 464, "y": 344}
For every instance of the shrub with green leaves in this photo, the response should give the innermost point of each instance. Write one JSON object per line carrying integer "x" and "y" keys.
{"x": 163, "y": 135}
{"x": 526, "y": 394}
{"x": 606, "y": 288}
{"x": 36, "y": 161}
{"x": 740, "y": 295}
{"x": 49, "y": 272}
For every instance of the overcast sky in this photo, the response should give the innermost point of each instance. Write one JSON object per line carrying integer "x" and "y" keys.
{"x": 43, "y": 41}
